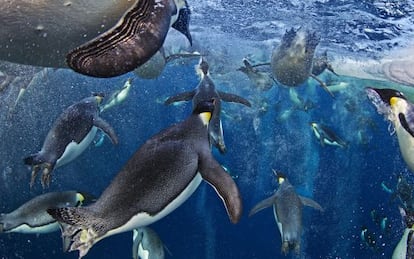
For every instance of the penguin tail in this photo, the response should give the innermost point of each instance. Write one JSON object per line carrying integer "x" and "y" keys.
{"x": 34, "y": 159}
{"x": 81, "y": 229}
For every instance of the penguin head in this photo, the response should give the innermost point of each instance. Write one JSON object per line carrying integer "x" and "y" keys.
{"x": 280, "y": 176}
{"x": 384, "y": 99}
{"x": 98, "y": 97}
{"x": 385, "y": 95}
{"x": 205, "y": 110}
{"x": 314, "y": 125}
{"x": 80, "y": 198}
{"x": 83, "y": 198}
{"x": 202, "y": 68}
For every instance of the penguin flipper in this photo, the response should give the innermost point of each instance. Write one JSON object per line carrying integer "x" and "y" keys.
{"x": 263, "y": 204}
{"x": 216, "y": 134}
{"x": 185, "y": 96}
{"x": 136, "y": 238}
{"x": 212, "y": 172}
{"x": 173, "y": 57}
{"x": 105, "y": 127}
{"x": 234, "y": 98}
{"x": 323, "y": 85}
{"x": 288, "y": 38}
{"x": 261, "y": 64}
{"x": 310, "y": 203}
{"x": 182, "y": 24}
{"x": 130, "y": 43}
{"x": 79, "y": 227}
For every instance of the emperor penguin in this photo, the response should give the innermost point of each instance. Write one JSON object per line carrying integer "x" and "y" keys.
{"x": 261, "y": 80}
{"x": 147, "y": 244}
{"x": 118, "y": 96}
{"x": 137, "y": 36}
{"x": 405, "y": 247}
{"x": 206, "y": 90}
{"x": 327, "y": 136}
{"x": 32, "y": 217}
{"x": 162, "y": 174}
{"x": 400, "y": 112}
{"x": 154, "y": 67}
{"x": 287, "y": 210}
{"x": 291, "y": 62}
{"x": 70, "y": 135}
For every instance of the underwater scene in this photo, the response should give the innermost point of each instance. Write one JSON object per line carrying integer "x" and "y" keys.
{"x": 206, "y": 129}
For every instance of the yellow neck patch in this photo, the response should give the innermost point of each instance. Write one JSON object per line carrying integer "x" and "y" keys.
{"x": 394, "y": 101}
{"x": 280, "y": 180}
{"x": 205, "y": 117}
{"x": 80, "y": 198}
{"x": 99, "y": 99}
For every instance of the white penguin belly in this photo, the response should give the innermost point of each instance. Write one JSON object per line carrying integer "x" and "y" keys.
{"x": 400, "y": 251}
{"x": 73, "y": 149}
{"x": 279, "y": 224}
{"x": 26, "y": 229}
{"x": 406, "y": 143}
{"x": 144, "y": 219}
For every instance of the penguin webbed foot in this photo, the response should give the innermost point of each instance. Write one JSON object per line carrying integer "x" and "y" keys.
{"x": 312, "y": 41}
{"x": 46, "y": 175}
{"x": 35, "y": 171}
{"x": 285, "y": 248}
{"x": 82, "y": 241}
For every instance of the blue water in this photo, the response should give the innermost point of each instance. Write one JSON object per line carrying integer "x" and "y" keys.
{"x": 346, "y": 182}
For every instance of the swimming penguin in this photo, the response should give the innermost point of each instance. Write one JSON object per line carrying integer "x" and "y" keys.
{"x": 321, "y": 63}
{"x": 69, "y": 136}
{"x": 405, "y": 247}
{"x": 287, "y": 210}
{"x": 156, "y": 64}
{"x": 404, "y": 192}
{"x": 326, "y": 136}
{"x": 162, "y": 174}
{"x": 292, "y": 60}
{"x": 381, "y": 220}
{"x": 206, "y": 90}
{"x": 261, "y": 80}
{"x": 138, "y": 35}
{"x": 397, "y": 109}
{"x": 147, "y": 244}
{"x": 118, "y": 96}
{"x": 368, "y": 238}
{"x": 32, "y": 217}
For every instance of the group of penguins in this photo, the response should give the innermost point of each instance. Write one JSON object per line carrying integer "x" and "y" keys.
{"x": 167, "y": 169}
